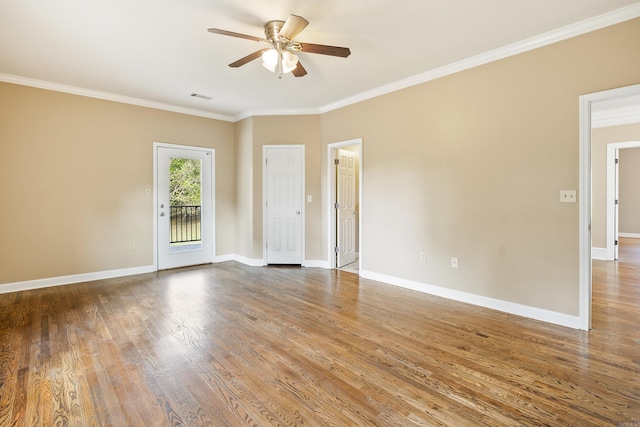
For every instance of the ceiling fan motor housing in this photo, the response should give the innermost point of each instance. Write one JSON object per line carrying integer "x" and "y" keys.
{"x": 272, "y": 30}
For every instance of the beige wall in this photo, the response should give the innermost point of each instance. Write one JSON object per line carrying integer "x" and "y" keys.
{"x": 600, "y": 137}
{"x": 74, "y": 173}
{"x": 629, "y": 190}
{"x": 244, "y": 187}
{"x": 471, "y": 165}
{"x": 285, "y": 130}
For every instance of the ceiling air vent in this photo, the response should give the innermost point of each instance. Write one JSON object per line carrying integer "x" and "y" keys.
{"x": 198, "y": 95}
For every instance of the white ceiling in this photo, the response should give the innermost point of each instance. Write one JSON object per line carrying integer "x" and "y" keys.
{"x": 159, "y": 51}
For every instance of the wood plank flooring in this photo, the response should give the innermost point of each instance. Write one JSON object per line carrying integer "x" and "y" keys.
{"x": 230, "y": 345}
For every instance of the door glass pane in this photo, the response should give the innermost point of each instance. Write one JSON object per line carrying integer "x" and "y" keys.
{"x": 185, "y": 199}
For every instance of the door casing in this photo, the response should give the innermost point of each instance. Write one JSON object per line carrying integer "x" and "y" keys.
{"x": 585, "y": 102}
{"x": 345, "y": 212}
{"x": 156, "y": 211}
{"x": 612, "y": 194}
{"x": 331, "y": 193}
{"x": 265, "y": 149}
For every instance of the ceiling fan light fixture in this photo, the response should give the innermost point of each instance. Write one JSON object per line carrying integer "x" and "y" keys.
{"x": 289, "y": 61}
{"x": 270, "y": 59}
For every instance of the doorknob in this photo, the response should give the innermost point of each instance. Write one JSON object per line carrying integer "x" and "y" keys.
{"x": 297, "y": 212}
{"x": 161, "y": 213}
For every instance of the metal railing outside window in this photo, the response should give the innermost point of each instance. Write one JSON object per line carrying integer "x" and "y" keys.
{"x": 185, "y": 224}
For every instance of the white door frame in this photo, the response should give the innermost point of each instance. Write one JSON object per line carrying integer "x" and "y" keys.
{"x": 157, "y": 145}
{"x": 264, "y": 199}
{"x": 612, "y": 191}
{"x": 585, "y": 102}
{"x": 331, "y": 194}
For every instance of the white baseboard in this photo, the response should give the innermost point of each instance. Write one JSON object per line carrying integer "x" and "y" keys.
{"x": 505, "y": 306}
{"x": 495, "y": 304}
{"x": 317, "y": 263}
{"x": 599, "y": 253}
{"x": 224, "y": 258}
{"x": 253, "y": 262}
{"x": 632, "y": 235}
{"x": 75, "y": 278}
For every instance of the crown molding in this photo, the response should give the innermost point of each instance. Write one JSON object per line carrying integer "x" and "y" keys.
{"x": 569, "y": 31}
{"x": 611, "y": 18}
{"x": 615, "y": 117}
{"x": 283, "y": 112}
{"x": 41, "y": 84}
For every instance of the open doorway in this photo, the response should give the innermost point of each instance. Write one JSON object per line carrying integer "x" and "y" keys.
{"x": 591, "y": 111}
{"x": 622, "y": 191}
{"x": 344, "y": 177}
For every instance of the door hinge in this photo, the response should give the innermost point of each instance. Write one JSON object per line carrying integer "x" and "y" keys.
{"x": 617, "y": 161}
{"x": 616, "y": 243}
{"x": 337, "y": 250}
{"x": 336, "y": 161}
{"x": 616, "y": 201}
{"x": 266, "y": 161}
{"x": 336, "y": 205}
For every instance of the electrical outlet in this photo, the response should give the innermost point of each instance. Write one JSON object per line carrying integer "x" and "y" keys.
{"x": 568, "y": 196}
{"x": 423, "y": 256}
{"x": 454, "y": 262}
{"x": 132, "y": 246}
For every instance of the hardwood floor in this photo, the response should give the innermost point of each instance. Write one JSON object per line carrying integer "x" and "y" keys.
{"x": 230, "y": 345}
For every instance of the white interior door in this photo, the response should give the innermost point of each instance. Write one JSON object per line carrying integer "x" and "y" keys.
{"x": 346, "y": 208}
{"x": 184, "y": 209}
{"x": 284, "y": 194}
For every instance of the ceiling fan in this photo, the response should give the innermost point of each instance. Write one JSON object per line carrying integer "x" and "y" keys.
{"x": 281, "y": 57}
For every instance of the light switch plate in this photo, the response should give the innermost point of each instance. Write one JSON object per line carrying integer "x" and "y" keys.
{"x": 568, "y": 196}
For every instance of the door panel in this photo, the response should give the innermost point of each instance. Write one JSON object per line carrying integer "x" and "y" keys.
{"x": 283, "y": 204}
{"x": 184, "y": 210}
{"x": 346, "y": 212}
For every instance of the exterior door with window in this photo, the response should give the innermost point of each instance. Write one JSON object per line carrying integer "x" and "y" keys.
{"x": 284, "y": 194}
{"x": 184, "y": 206}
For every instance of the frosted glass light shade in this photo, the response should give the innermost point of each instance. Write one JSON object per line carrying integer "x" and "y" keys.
{"x": 270, "y": 59}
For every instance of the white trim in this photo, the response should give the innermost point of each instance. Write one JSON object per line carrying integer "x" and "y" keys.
{"x": 282, "y": 112}
{"x": 585, "y": 102}
{"x": 252, "y": 262}
{"x": 599, "y": 253}
{"x": 302, "y": 198}
{"x": 616, "y": 117}
{"x": 481, "y": 301}
{"x": 224, "y": 258}
{"x": 630, "y": 235}
{"x": 592, "y": 24}
{"x": 316, "y": 263}
{"x": 211, "y": 151}
{"x": 331, "y": 193}
{"x": 611, "y": 18}
{"x": 57, "y": 87}
{"x": 76, "y": 278}
{"x": 610, "y": 197}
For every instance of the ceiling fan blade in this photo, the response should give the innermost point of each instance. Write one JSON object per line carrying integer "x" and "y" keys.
{"x": 232, "y": 34}
{"x": 293, "y": 26}
{"x": 299, "y": 71}
{"x": 322, "y": 49}
{"x": 240, "y": 62}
